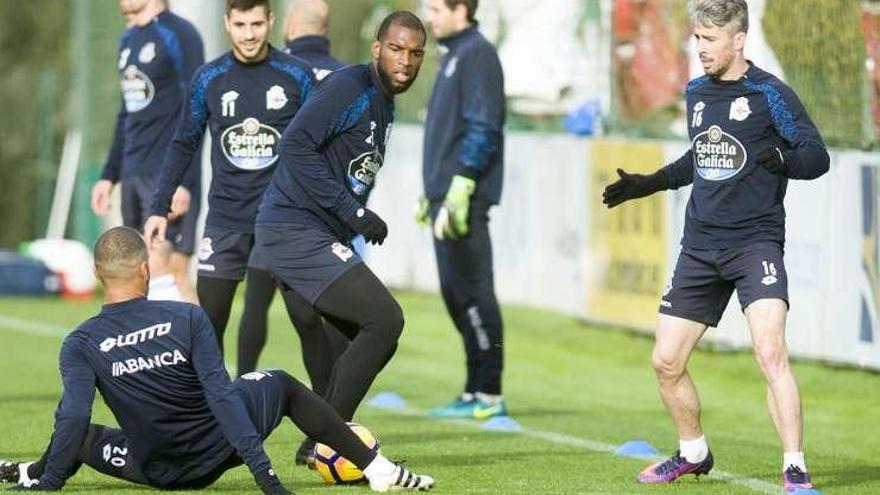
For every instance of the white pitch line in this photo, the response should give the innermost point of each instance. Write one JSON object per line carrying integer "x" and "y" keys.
{"x": 48, "y": 329}
{"x": 31, "y": 326}
{"x": 596, "y": 446}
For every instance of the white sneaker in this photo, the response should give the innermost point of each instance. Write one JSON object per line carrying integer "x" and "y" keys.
{"x": 401, "y": 479}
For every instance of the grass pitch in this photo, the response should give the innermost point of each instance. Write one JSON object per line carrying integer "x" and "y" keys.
{"x": 576, "y": 389}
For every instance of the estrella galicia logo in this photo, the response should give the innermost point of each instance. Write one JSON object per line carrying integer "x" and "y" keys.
{"x": 362, "y": 171}
{"x": 250, "y": 145}
{"x": 137, "y": 89}
{"x": 718, "y": 155}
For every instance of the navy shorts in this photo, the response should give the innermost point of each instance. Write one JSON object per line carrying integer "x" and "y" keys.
{"x": 264, "y": 395}
{"x": 704, "y": 280}
{"x": 137, "y": 197}
{"x": 304, "y": 259}
{"x": 224, "y": 253}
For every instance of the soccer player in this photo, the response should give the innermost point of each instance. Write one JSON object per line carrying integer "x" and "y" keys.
{"x": 750, "y": 134}
{"x": 158, "y": 54}
{"x": 305, "y": 32}
{"x": 462, "y": 173}
{"x": 182, "y": 422}
{"x": 315, "y": 204}
{"x": 246, "y": 97}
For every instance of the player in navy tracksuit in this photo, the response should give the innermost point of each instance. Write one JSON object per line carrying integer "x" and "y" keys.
{"x": 750, "y": 134}
{"x": 158, "y": 55}
{"x": 246, "y": 97}
{"x": 315, "y": 204}
{"x": 463, "y": 158}
{"x": 305, "y": 32}
{"x": 182, "y": 423}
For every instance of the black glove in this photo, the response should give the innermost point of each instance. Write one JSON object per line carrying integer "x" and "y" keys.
{"x": 369, "y": 225}
{"x": 632, "y": 186}
{"x": 772, "y": 160}
{"x": 270, "y": 484}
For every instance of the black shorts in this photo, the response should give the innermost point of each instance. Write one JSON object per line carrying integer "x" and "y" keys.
{"x": 704, "y": 280}
{"x": 304, "y": 259}
{"x": 264, "y": 396}
{"x": 224, "y": 253}
{"x": 137, "y": 197}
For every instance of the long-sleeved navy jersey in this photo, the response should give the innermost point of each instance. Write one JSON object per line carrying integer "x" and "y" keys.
{"x": 158, "y": 368}
{"x": 464, "y": 130}
{"x": 331, "y": 153}
{"x": 155, "y": 65}
{"x": 316, "y": 51}
{"x": 246, "y": 107}
{"x": 736, "y": 202}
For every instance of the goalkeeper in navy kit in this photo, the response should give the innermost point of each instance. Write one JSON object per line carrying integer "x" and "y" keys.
{"x": 750, "y": 134}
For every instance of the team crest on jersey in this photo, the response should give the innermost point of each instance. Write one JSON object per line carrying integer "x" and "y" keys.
{"x": 137, "y": 89}
{"x": 341, "y": 251}
{"x": 250, "y": 145}
{"x": 275, "y": 98}
{"x": 717, "y": 154}
{"x": 449, "y": 70}
{"x": 739, "y": 109}
{"x": 123, "y": 57}
{"x": 362, "y": 171}
{"x": 147, "y": 53}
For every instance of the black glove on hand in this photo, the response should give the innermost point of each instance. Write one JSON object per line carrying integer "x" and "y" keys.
{"x": 772, "y": 160}
{"x": 632, "y": 186}
{"x": 270, "y": 484}
{"x": 369, "y": 225}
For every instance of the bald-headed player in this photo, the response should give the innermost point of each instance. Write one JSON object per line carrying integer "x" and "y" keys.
{"x": 305, "y": 35}
{"x": 182, "y": 422}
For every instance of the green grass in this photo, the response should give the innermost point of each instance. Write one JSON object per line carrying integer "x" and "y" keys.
{"x": 561, "y": 376}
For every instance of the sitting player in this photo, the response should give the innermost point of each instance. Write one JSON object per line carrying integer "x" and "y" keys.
{"x": 183, "y": 423}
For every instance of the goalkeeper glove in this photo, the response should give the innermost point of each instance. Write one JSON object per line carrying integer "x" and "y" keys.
{"x": 423, "y": 212}
{"x": 772, "y": 160}
{"x": 452, "y": 219}
{"x": 632, "y": 186}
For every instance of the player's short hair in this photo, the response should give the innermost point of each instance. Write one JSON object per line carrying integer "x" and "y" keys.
{"x": 721, "y": 13}
{"x": 470, "y": 5}
{"x": 246, "y": 5}
{"x": 403, "y": 18}
{"x": 119, "y": 252}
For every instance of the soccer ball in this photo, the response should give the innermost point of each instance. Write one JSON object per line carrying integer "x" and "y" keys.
{"x": 337, "y": 470}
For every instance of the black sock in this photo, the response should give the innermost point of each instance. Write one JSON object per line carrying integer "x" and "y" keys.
{"x": 258, "y": 297}
{"x": 360, "y": 300}
{"x": 319, "y": 421}
{"x": 215, "y": 297}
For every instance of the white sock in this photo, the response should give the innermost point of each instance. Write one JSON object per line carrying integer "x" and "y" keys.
{"x": 379, "y": 467}
{"x": 795, "y": 459}
{"x": 695, "y": 450}
{"x": 489, "y": 398}
{"x": 23, "y": 477}
{"x": 467, "y": 396}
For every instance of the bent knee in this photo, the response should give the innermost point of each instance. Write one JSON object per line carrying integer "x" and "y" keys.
{"x": 667, "y": 365}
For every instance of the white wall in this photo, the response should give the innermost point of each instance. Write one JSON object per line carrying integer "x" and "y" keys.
{"x": 542, "y": 236}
